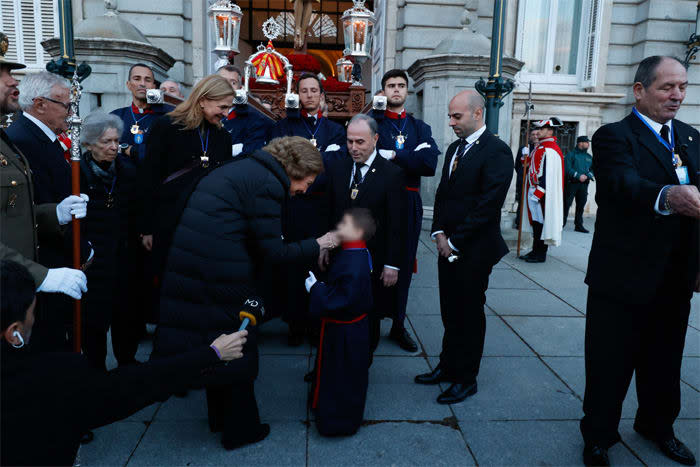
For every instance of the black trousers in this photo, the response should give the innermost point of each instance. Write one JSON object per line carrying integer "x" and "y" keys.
{"x": 575, "y": 191}
{"x": 622, "y": 339}
{"x": 233, "y": 410}
{"x": 463, "y": 287}
{"x": 385, "y": 302}
{"x": 539, "y": 247}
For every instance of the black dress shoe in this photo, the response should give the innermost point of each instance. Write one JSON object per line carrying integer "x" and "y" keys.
{"x": 582, "y": 229}
{"x": 525, "y": 257}
{"x": 87, "y": 438}
{"x": 536, "y": 259}
{"x": 671, "y": 447}
{"x": 595, "y": 456}
{"x": 259, "y": 434}
{"x": 404, "y": 339}
{"x": 457, "y": 393}
{"x": 434, "y": 377}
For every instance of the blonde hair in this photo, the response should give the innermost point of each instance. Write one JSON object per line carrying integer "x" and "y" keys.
{"x": 189, "y": 113}
{"x": 297, "y": 155}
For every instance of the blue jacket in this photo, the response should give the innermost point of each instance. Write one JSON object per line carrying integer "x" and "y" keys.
{"x": 419, "y": 155}
{"x": 249, "y": 127}
{"x": 144, "y": 121}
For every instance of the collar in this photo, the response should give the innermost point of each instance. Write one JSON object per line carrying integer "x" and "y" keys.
{"x": 395, "y": 115}
{"x": 138, "y": 110}
{"x": 476, "y": 135}
{"x": 318, "y": 115}
{"x": 656, "y": 126}
{"x": 47, "y": 131}
{"x": 354, "y": 245}
{"x": 371, "y": 158}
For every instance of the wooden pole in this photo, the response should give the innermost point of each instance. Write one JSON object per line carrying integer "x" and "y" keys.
{"x": 77, "y": 263}
{"x": 526, "y": 163}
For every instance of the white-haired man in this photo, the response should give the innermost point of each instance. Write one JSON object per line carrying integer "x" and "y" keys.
{"x": 172, "y": 87}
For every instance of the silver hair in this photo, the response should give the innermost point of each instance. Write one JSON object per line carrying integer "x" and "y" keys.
{"x": 179, "y": 88}
{"x": 371, "y": 123}
{"x": 95, "y": 124}
{"x": 38, "y": 85}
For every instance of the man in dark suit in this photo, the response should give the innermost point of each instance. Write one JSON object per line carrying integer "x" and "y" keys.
{"x": 367, "y": 180}
{"x": 643, "y": 265}
{"x": 476, "y": 176}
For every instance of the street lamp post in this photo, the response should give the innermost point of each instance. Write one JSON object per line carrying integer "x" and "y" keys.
{"x": 497, "y": 87}
{"x": 693, "y": 43}
{"x": 65, "y": 64}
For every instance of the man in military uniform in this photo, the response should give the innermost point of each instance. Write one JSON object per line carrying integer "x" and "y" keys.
{"x": 21, "y": 221}
{"x": 577, "y": 168}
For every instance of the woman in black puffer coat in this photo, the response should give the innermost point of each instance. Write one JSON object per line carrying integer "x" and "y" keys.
{"x": 229, "y": 230}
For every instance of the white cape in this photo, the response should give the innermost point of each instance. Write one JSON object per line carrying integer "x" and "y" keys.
{"x": 554, "y": 201}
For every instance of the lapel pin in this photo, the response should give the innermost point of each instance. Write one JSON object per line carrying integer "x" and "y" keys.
{"x": 374, "y": 170}
{"x": 477, "y": 142}
{"x": 690, "y": 138}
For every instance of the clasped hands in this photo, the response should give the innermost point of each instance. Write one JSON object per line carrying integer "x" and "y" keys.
{"x": 328, "y": 242}
{"x": 443, "y": 246}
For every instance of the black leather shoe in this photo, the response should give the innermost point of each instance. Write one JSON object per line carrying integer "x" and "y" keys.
{"x": 536, "y": 259}
{"x": 525, "y": 257}
{"x": 404, "y": 339}
{"x": 595, "y": 456}
{"x": 87, "y": 438}
{"x": 582, "y": 229}
{"x": 259, "y": 434}
{"x": 457, "y": 393}
{"x": 309, "y": 377}
{"x": 671, "y": 447}
{"x": 434, "y": 377}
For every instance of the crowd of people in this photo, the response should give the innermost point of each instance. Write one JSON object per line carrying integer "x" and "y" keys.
{"x": 189, "y": 213}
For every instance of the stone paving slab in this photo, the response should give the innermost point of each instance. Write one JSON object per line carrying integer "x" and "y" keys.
{"x": 690, "y": 371}
{"x": 189, "y": 443}
{"x": 500, "y": 341}
{"x": 392, "y": 394}
{"x": 692, "y": 343}
{"x": 390, "y": 444}
{"x": 532, "y": 443}
{"x": 576, "y": 297}
{"x": 112, "y": 444}
{"x": 510, "y": 279}
{"x": 388, "y": 347}
{"x": 528, "y": 302}
{"x": 423, "y": 301}
{"x": 273, "y": 340}
{"x": 551, "y": 336}
{"x": 518, "y": 388}
{"x": 573, "y": 371}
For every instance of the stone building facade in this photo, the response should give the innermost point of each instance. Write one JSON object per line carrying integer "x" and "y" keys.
{"x": 579, "y": 55}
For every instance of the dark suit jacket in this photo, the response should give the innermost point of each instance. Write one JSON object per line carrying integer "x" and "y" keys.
{"x": 468, "y": 204}
{"x": 633, "y": 245}
{"x": 50, "y": 170}
{"x": 381, "y": 193}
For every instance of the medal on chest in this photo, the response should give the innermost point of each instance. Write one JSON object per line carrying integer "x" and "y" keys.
{"x": 314, "y": 142}
{"x": 205, "y": 160}
{"x": 400, "y": 141}
{"x": 109, "y": 202}
{"x": 135, "y": 129}
{"x": 353, "y": 193}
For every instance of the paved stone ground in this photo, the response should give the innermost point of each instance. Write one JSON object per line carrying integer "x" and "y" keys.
{"x": 525, "y": 413}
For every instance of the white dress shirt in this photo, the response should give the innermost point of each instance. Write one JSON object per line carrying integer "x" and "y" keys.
{"x": 52, "y": 136}
{"x": 363, "y": 172}
{"x": 471, "y": 139}
{"x": 656, "y": 126}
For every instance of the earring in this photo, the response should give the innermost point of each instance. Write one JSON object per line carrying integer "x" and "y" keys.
{"x": 21, "y": 340}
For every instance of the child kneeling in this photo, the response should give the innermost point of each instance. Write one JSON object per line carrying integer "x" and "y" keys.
{"x": 343, "y": 303}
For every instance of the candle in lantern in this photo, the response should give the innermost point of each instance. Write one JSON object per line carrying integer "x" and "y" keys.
{"x": 220, "y": 26}
{"x": 359, "y": 34}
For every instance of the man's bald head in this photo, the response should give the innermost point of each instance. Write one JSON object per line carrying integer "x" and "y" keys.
{"x": 466, "y": 113}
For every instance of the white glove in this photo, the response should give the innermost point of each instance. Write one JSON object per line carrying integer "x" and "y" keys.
{"x": 386, "y": 154}
{"x": 236, "y": 149}
{"x": 310, "y": 281}
{"x": 332, "y": 147}
{"x": 71, "y": 282}
{"x": 525, "y": 151}
{"x": 73, "y": 205}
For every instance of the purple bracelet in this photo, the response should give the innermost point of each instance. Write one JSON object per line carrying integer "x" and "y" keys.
{"x": 218, "y": 354}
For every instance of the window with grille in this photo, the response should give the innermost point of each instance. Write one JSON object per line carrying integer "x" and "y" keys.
{"x": 27, "y": 23}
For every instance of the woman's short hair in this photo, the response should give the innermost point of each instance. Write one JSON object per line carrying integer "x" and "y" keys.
{"x": 18, "y": 292}
{"x": 188, "y": 113}
{"x": 297, "y": 155}
{"x": 96, "y": 124}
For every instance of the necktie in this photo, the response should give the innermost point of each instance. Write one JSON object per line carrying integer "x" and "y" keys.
{"x": 357, "y": 177}
{"x": 458, "y": 154}
{"x": 665, "y": 131}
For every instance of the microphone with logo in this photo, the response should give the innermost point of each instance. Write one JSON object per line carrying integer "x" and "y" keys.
{"x": 252, "y": 313}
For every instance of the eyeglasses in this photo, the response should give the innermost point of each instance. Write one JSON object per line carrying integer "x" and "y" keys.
{"x": 62, "y": 104}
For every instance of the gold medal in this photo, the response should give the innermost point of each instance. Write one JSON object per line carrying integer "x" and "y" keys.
{"x": 400, "y": 138}
{"x": 313, "y": 141}
{"x": 135, "y": 129}
{"x": 353, "y": 193}
{"x": 677, "y": 160}
{"x": 205, "y": 160}
{"x": 109, "y": 203}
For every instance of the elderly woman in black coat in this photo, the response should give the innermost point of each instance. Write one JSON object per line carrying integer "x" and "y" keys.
{"x": 229, "y": 231}
{"x": 108, "y": 178}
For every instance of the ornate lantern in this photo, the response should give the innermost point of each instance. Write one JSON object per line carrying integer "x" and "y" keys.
{"x": 226, "y": 27}
{"x": 358, "y": 23}
{"x": 344, "y": 68}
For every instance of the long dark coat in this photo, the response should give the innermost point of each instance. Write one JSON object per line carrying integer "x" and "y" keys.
{"x": 230, "y": 228}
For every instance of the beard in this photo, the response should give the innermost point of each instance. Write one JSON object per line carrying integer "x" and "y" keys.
{"x": 8, "y": 105}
